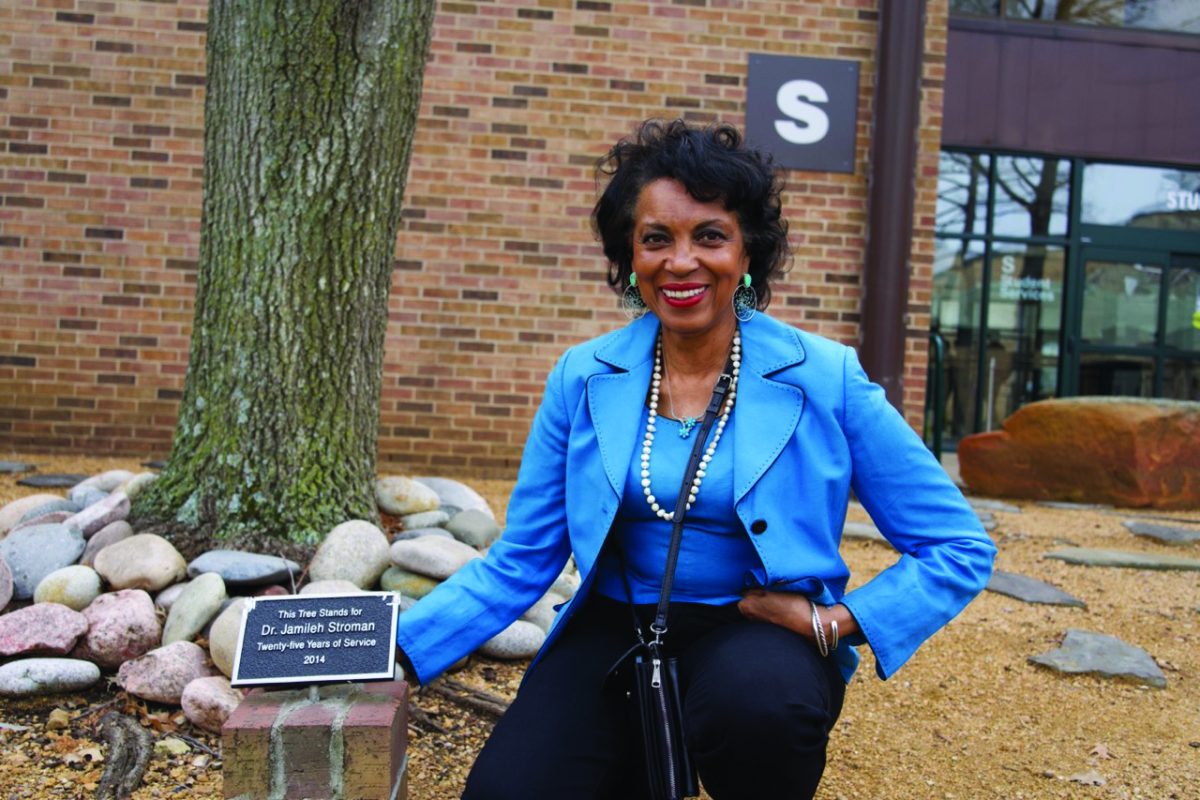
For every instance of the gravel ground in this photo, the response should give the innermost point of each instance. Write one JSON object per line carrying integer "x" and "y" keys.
{"x": 968, "y": 717}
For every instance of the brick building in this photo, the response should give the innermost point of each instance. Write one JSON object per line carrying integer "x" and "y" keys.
{"x": 496, "y": 269}
{"x": 101, "y": 117}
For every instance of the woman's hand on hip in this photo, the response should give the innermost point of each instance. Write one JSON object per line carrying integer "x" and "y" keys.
{"x": 794, "y": 612}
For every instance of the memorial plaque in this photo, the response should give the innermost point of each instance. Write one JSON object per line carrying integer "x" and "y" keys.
{"x": 306, "y": 639}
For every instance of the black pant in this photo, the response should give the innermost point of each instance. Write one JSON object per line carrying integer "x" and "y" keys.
{"x": 759, "y": 702}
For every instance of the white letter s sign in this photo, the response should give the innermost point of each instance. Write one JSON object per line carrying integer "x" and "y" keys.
{"x": 791, "y": 99}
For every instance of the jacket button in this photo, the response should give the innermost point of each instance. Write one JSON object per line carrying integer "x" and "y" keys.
{"x": 758, "y": 526}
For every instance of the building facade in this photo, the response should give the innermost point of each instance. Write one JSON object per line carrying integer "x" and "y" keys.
{"x": 1068, "y": 217}
{"x": 496, "y": 271}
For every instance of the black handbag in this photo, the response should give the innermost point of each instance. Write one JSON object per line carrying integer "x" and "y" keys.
{"x": 669, "y": 767}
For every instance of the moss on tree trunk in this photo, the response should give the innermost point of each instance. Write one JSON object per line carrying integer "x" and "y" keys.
{"x": 309, "y": 117}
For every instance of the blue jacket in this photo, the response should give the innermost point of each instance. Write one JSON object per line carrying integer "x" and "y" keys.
{"x": 808, "y": 427}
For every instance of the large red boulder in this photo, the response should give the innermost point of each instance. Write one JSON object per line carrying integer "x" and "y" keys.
{"x": 1125, "y": 451}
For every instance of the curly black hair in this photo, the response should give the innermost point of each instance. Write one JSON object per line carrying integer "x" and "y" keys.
{"x": 712, "y": 163}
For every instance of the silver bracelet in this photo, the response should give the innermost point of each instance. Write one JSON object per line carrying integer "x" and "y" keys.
{"x": 819, "y": 631}
{"x": 833, "y": 635}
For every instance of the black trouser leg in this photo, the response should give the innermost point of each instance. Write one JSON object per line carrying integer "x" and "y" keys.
{"x": 759, "y": 705}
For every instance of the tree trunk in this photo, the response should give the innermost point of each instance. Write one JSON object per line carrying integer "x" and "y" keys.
{"x": 309, "y": 117}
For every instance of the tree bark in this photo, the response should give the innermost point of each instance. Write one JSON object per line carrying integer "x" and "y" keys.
{"x": 309, "y": 117}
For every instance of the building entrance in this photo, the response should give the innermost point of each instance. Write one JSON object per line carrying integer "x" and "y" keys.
{"x": 1056, "y": 277}
{"x": 1138, "y": 331}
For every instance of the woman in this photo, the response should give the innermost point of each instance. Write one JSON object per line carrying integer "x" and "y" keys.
{"x": 690, "y": 221}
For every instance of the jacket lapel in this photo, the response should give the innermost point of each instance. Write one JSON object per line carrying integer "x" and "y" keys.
{"x": 767, "y": 411}
{"x": 615, "y": 396}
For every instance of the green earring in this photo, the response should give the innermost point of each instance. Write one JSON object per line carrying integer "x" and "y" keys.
{"x": 631, "y": 300}
{"x": 745, "y": 300}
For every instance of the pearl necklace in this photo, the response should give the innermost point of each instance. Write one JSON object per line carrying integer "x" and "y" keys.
{"x": 735, "y": 358}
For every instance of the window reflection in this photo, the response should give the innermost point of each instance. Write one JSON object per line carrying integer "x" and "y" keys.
{"x": 958, "y": 290}
{"x": 962, "y": 193}
{"x": 1031, "y": 196}
{"x": 1183, "y": 309}
{"x": 1120, "y": 303}
{"x": 1163, "y": 15}
{"x": 1023, "y": 319}
{"x": 1141, "y": 197}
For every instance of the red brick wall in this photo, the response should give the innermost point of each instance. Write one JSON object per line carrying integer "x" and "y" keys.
{"x": 101, "y": 130}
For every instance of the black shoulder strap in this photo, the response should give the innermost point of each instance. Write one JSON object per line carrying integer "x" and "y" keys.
{"x": 659, "y": 626}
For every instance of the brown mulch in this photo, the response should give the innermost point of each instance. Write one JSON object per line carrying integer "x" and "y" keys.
{"x": 968, "y": 717}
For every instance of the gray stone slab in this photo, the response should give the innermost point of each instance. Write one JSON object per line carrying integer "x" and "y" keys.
{"x": 52, "y": 481}
{"x": 1064, "y": 506}
{"x": 988, "y": 520}
{"x": 14, "y": 467}
{"x": 1167, "y": 534}
{"x": 1089, "y": 557}
{"x": 154, "y": 464}
{"x": 862, "y": 530}
{"x": 985, "y": 504}
{"x": 1031, "y": 590}
{"x": 1085, "y": 652}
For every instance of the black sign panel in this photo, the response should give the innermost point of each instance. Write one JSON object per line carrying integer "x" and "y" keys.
{"x": 317, "y": 638}
{"x": 804, "y": 111}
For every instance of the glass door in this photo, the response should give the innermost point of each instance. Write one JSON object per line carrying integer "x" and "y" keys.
{"x": 1137, "y": 333}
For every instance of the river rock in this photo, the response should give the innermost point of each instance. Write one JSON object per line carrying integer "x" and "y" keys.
{"x": 49, "y": 518}
{"x": 567, "y": 582}
{"x": 521, "y": 639}
{"x": 417, "y": 533}
{"x": 401, "y": 496}
{"x": 1030, "y": 590}
{"x": 354, "y": 551}
{"x": 1167, "y": 534}
{"x": 12, "y": 512}
{"x": 1117, "y": 558}
{"x": 240, "y": 569}
{"x": 36, "y": 676}
{"x": 457, "y": 495}
{"x": 98, "y": 515}
{"x": 862, "y": 530}
{"x": 167, "y": 597}
{"x": 194, "y": 608}
{"x": 1100, "y": 654}
{"x": 223, "y": 635}
{"x": 105, "y": 481}
{"x": 33, "y": 553}
{"x": 75, "y": 587}
{"x": 136, "y": 484}
{"x": 543, "y": 612}
{"x": 426, "y": 519}
{"x": 109, "y": 534}
{"x": 85, "y": 496}
{"x": 988, "y": 504}
{"x": 208, "y": 702}
{"x": 6, "y": 584}
{"x": 335, "y": 586}
{"x": 121, "y": 626}
{"x": 474, "y": 527}
{"x": 41, "y": 629}
{"x": 52, "y": 480}
{"x": 161, "y": 675}
{"x": 15, "y": 467}
{"x": 408, "y": 584}
{"x": 143, "y": 561}
{"x": 433, "y": 556}
{"x": 1130, "y": 452}
{"x": 49, "y": 507}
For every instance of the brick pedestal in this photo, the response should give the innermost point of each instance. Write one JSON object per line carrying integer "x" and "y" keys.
{"x": 347, "y": 742}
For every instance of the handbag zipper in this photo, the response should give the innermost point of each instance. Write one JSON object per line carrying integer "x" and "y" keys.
{"x": 656, "y": 683}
